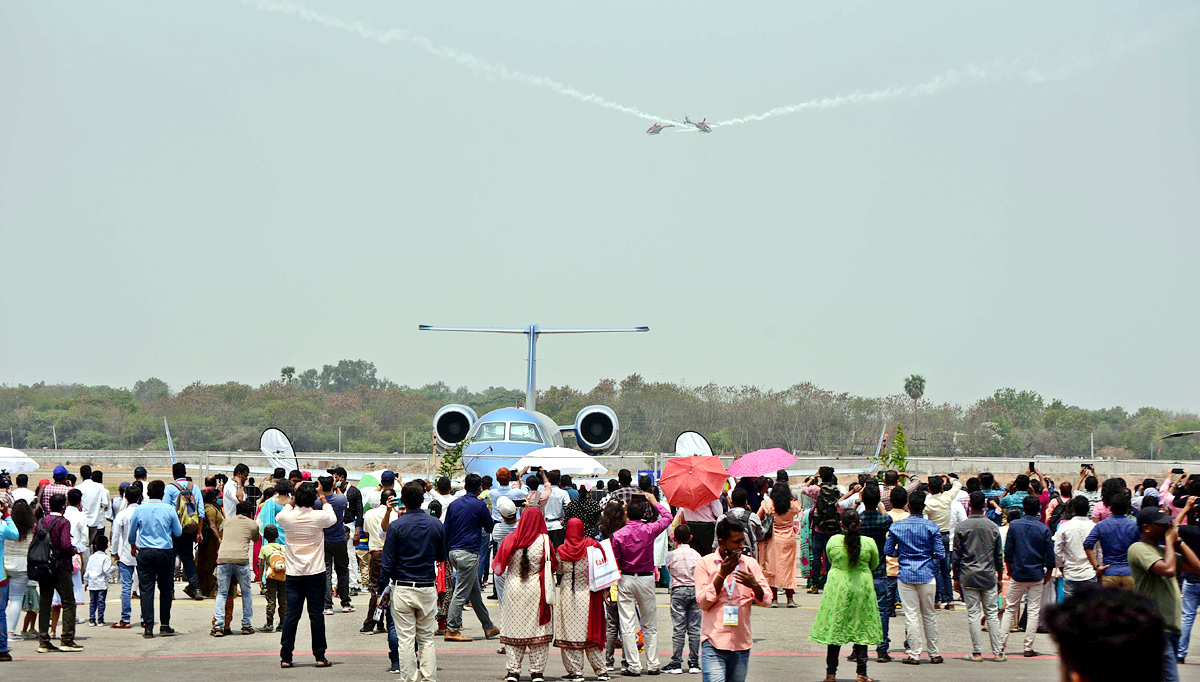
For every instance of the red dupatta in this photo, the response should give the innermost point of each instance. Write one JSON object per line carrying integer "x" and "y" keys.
{"x": 575, "y": 548}
{"x": 531, "y": 529}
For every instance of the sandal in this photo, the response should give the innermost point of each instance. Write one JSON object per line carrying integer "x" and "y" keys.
{"x": 248, "y": 630}
{"x": 216, "y": 632}
{"x": 323, "y": 663}
{"x": 286, "y": 664}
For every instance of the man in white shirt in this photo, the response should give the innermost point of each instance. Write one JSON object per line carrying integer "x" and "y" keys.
{"x": 703, "y": 524}
{"x": 95, "y": 504}
{"x": 126, "y": 562}
{"x": 22, "y": 491}
{"x": 234, "y": 490}
{"x": 79, "y": 521}
{"x": 375, "y": 522}
{"x": 1069, "y": 553}
{"x": 559, "y": 499}
{"x": 937, "y": 509}
{"x": 444, "y": 494}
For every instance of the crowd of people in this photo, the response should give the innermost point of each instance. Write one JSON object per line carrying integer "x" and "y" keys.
{"x": 1029, "y": 555}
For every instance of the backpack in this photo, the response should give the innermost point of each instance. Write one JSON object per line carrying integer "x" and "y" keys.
{"x": 827, "y": 509}
{"x": 276, "y": 566}
{"x": 186, "y": 509}
{"x": 42, "y": 557}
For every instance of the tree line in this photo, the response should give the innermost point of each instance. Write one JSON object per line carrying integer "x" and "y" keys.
{"x": 349, "y": 404}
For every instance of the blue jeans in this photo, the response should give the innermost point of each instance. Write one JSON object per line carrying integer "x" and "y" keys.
{"x": 393, "y": 640}
{"x": 485, "y": 550}
{"x": 945, "y": 586}
{"x": 685, "y": 624}
{"x": 17, "y": 582}
{"x": 226, "y": 574}
{"x": 720, "y": 665}
{"x": 893, "y": 594}
{"x": 1191, "y": 601}
{"x": 4, "y": 621}
{"x": 885, "y": 611}
{"x": 96, "y": 605}
{"x": 127, "y": 574}
{"x": 818, "y": 541}
{"x": 1170, "y": 663}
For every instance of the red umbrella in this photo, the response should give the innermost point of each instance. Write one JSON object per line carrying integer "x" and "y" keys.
{"x": 692, "y": 482}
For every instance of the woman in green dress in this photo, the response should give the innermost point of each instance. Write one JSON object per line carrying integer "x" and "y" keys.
{"x": 849, "y": 613}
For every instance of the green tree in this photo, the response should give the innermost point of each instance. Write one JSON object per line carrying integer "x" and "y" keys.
{"x": 150, "y": 390}
{"x": 914, "y": 387}
{"x": 287, "y": 374}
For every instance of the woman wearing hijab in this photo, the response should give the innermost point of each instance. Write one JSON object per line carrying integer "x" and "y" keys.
{"x": 528, "y": 562}
{"x": 579, "y": 628}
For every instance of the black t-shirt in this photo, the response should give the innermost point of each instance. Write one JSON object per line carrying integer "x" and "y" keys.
{"x": 1191, "y": 536}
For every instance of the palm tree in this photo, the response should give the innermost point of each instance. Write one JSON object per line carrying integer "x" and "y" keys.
{"x": 914, "y": 386}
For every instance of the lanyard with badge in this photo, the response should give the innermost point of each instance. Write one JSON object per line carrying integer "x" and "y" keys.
{"x": 730, "y": 612}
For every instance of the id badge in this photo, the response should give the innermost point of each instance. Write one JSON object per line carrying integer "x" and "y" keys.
{"x": 731, "y": 615}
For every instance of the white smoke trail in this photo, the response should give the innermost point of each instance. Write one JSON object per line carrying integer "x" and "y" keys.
{"x": 477, "y": 64}
{"x": 995, "y": 71}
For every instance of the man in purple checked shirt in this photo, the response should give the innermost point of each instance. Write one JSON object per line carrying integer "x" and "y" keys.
{"x": 633, "y": 546}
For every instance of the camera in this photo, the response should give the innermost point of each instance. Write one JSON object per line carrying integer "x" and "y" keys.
{"x": 5, "y": 480}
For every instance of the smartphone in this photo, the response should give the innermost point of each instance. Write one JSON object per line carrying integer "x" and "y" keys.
{"x": 1177, "y": 470}
{"x": 1032, "y": 466}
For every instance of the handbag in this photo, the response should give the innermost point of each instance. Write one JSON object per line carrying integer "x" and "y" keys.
{"x": 769, "y": 527}
{"x": 548, "y": 583}
{"x": 602, "y": 566}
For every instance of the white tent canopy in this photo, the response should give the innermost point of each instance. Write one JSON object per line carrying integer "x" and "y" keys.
{"x": 16, "y": 462}
{"x": 567, "y": 461}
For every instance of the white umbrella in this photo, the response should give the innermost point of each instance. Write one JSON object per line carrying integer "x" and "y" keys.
{"x": 692, "y": 444}
{"x": 566, "y": 460}
{"x": 16, "y": 462}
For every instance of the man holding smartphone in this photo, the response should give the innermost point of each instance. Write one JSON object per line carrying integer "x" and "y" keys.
{"x": 727, "y": 583}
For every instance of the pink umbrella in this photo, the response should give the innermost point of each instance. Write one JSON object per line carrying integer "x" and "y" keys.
{"x": 761, "y": 462}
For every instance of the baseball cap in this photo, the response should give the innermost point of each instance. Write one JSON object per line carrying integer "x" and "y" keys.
{"x": 60, "y": 471}
{"x": 1153, "y": 515}
{"x": 306, "y": 475}
{"x": 506, "y": 507}
{"x": 387, "y": 477}
{"x": 123, "y": 486}
{"x": 340, "y": 471}
{"x": 139, "y": 472}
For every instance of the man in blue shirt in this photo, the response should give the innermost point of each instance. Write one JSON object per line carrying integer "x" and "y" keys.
{"x": 153, "y": 530}
{"x": 1115, "y": 535}
{"x": 987, "y": 485}
{"x": 414, "y": 544}
{"x": 1029, "y": 555}
{"x": 917, "y": 543}
{"x": 466, "y": 519}
{"x": 185, "y": 543}
{"x": 336, "y": 558}
{"x": 1015, "y": 499}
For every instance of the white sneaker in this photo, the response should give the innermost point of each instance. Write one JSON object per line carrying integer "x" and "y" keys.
{"x": 695, "y": 670}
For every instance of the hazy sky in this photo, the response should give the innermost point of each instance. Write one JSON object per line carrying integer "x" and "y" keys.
{"x": 209, "y": 191}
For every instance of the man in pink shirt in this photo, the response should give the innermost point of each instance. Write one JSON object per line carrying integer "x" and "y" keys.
{"x": 633, "y": 547}
{"x": 727, "y": 584}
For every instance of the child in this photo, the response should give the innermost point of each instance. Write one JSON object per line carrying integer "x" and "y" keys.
{"x": 30, "y": 604}
{"x": 99, "y": 568}
{"x": 445, "y": 579}
{"x": 274, "y": 573}
{"x": 685, "y": 612}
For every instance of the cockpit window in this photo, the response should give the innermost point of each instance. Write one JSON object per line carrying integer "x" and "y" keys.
{"x": 490, "y": 431}
{"x": 524, "y": 433}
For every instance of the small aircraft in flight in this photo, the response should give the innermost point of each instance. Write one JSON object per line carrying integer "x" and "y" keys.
{"x": 658, "y": 128}
{"x": 701, "y": 126}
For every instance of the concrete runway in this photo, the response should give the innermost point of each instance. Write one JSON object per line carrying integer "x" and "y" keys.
{"x": 782, "y": 651}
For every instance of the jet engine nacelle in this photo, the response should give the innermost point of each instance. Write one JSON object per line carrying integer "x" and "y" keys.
{"x": 597, "y": 431}
{"x": 452, "y": 423}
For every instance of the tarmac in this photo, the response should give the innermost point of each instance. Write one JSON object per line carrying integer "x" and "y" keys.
{"x": 782, "y": 650}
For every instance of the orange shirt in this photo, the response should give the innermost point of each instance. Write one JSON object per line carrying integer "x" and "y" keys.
{"x": 712, "y": 603}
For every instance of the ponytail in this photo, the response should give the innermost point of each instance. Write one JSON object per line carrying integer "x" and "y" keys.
{"x": 850, "y": 527}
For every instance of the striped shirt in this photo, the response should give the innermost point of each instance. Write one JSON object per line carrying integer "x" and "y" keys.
{"x": 917, "y": 542}
{"x": 681, "y": 565}
{"x": 305, "y": 528}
